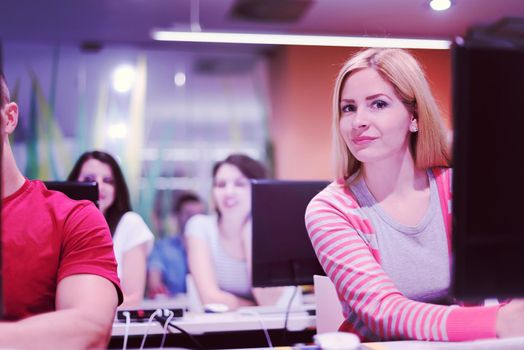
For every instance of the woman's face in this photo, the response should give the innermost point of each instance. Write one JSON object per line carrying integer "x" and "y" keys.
{"x": 374, "y": 122}
{"x": 95, "y": 170}
{"x": 232, "y": 191}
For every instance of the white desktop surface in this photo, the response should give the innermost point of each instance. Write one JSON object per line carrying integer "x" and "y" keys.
{"x": 198, "y": 323}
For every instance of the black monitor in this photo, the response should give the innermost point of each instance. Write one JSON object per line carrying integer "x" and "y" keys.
{"x": 488, "y": 176}
{"x": 282, "y": 254}
{"x": 76, "y": 190}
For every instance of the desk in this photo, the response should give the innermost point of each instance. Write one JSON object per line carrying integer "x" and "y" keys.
{"x": 224, "y": 330}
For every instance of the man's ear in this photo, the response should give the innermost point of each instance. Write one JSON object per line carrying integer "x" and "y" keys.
{"x": 11, "y": 117}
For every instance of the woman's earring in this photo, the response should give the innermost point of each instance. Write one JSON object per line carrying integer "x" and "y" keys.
{"x": 413, "y": 127}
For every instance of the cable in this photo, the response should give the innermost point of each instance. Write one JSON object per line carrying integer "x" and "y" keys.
{"x": 170, "y": 316}
{"x": 264, "y": 328}
{"x": 158, "y": 312}
{"x": 163, "y": 319}
{"x": 126, "y": 333}
{"x": 262, "y": 324}
{"x": 288, "y": 310}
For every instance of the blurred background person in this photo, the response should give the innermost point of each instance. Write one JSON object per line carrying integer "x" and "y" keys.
{"x": 219, "y": 246}
{"x": 132, "y": 239}
{"x": 167, "y": 265}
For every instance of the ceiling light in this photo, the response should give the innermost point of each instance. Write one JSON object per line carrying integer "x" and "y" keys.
{"x": 308, "y": 40}
{"x": 440, "y": 5}
{"x": 124, "y": 78}
{"x": 180, "y": 79}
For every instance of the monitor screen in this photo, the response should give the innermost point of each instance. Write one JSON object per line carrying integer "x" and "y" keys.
{"x": 282, "y": 254}
{"x": 488, "y": 175}
{"x": 76, "y": 190}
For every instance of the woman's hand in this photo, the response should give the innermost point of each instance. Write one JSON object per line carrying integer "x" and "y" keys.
{"x": 510, "y": 319}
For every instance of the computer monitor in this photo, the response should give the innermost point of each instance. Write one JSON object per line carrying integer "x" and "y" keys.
{"x": 76, "y": 190}
{"x": 282, "y": 254}
{"x": 488, "y": 175}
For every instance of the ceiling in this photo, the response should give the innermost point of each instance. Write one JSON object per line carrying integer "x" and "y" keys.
{"x": 131, "y": 21}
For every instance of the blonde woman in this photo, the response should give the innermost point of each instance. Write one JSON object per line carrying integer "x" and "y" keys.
{"x": 382, "y": 230}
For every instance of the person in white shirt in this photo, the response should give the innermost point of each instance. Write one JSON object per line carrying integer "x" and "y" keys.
{"x": 132, "y": 239}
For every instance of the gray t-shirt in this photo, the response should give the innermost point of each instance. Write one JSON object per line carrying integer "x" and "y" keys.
{"x": 415, "y": 258}
{"x": 231, "y": 273}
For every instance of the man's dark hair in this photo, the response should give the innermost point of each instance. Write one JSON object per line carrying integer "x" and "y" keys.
{"x": 121, "y": 204}
{"x": 4, "y": 95}
{"x": 183, "y": 199}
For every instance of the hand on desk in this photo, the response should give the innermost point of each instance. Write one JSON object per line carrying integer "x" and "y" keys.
{"x": 510, "y": 319}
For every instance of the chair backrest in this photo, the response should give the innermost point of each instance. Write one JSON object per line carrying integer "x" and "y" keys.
{"x": 329, "y": 310}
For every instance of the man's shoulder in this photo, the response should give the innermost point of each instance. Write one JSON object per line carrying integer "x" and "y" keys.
{"x": 61, "y": 202}
{"x": 35, "y": 193}
{"x": 40, "y": 199}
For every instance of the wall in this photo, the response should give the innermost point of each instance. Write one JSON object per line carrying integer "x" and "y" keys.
{"x": 302, "y": 79}
{"x": 167, "y": 137}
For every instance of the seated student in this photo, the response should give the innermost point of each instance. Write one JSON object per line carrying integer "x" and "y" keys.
{"x": 167, "y": 265}
{"x": 60, "y": 287}
{"x": 382, "y": 230}
{"x": 219, "y": 246}
{"x": 132, "y": 238}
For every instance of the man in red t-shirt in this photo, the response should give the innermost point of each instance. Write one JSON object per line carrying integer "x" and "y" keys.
{"x": 60, "y": 286}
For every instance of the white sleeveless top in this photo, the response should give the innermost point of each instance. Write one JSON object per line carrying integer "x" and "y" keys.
{"x": 130, "y": 232}
{"x": 231, "y": 273}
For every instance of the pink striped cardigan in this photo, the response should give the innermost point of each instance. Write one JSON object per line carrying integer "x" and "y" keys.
{"x": 374, "y": 309}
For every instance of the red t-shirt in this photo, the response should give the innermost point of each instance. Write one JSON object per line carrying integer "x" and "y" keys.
{"x": 46, "y": 237}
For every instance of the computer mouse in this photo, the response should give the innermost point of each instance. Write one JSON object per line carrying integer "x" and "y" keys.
{"x": 215, "y": 308}
{"x": 337, "y": 341}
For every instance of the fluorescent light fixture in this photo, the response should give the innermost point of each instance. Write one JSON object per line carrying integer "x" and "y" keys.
{"x": 292, "y": 39}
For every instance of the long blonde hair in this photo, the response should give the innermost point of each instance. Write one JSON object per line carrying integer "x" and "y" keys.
{"x": 429, "y": 145}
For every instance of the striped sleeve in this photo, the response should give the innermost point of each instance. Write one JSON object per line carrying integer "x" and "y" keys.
{"x": 376, "y": 308}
